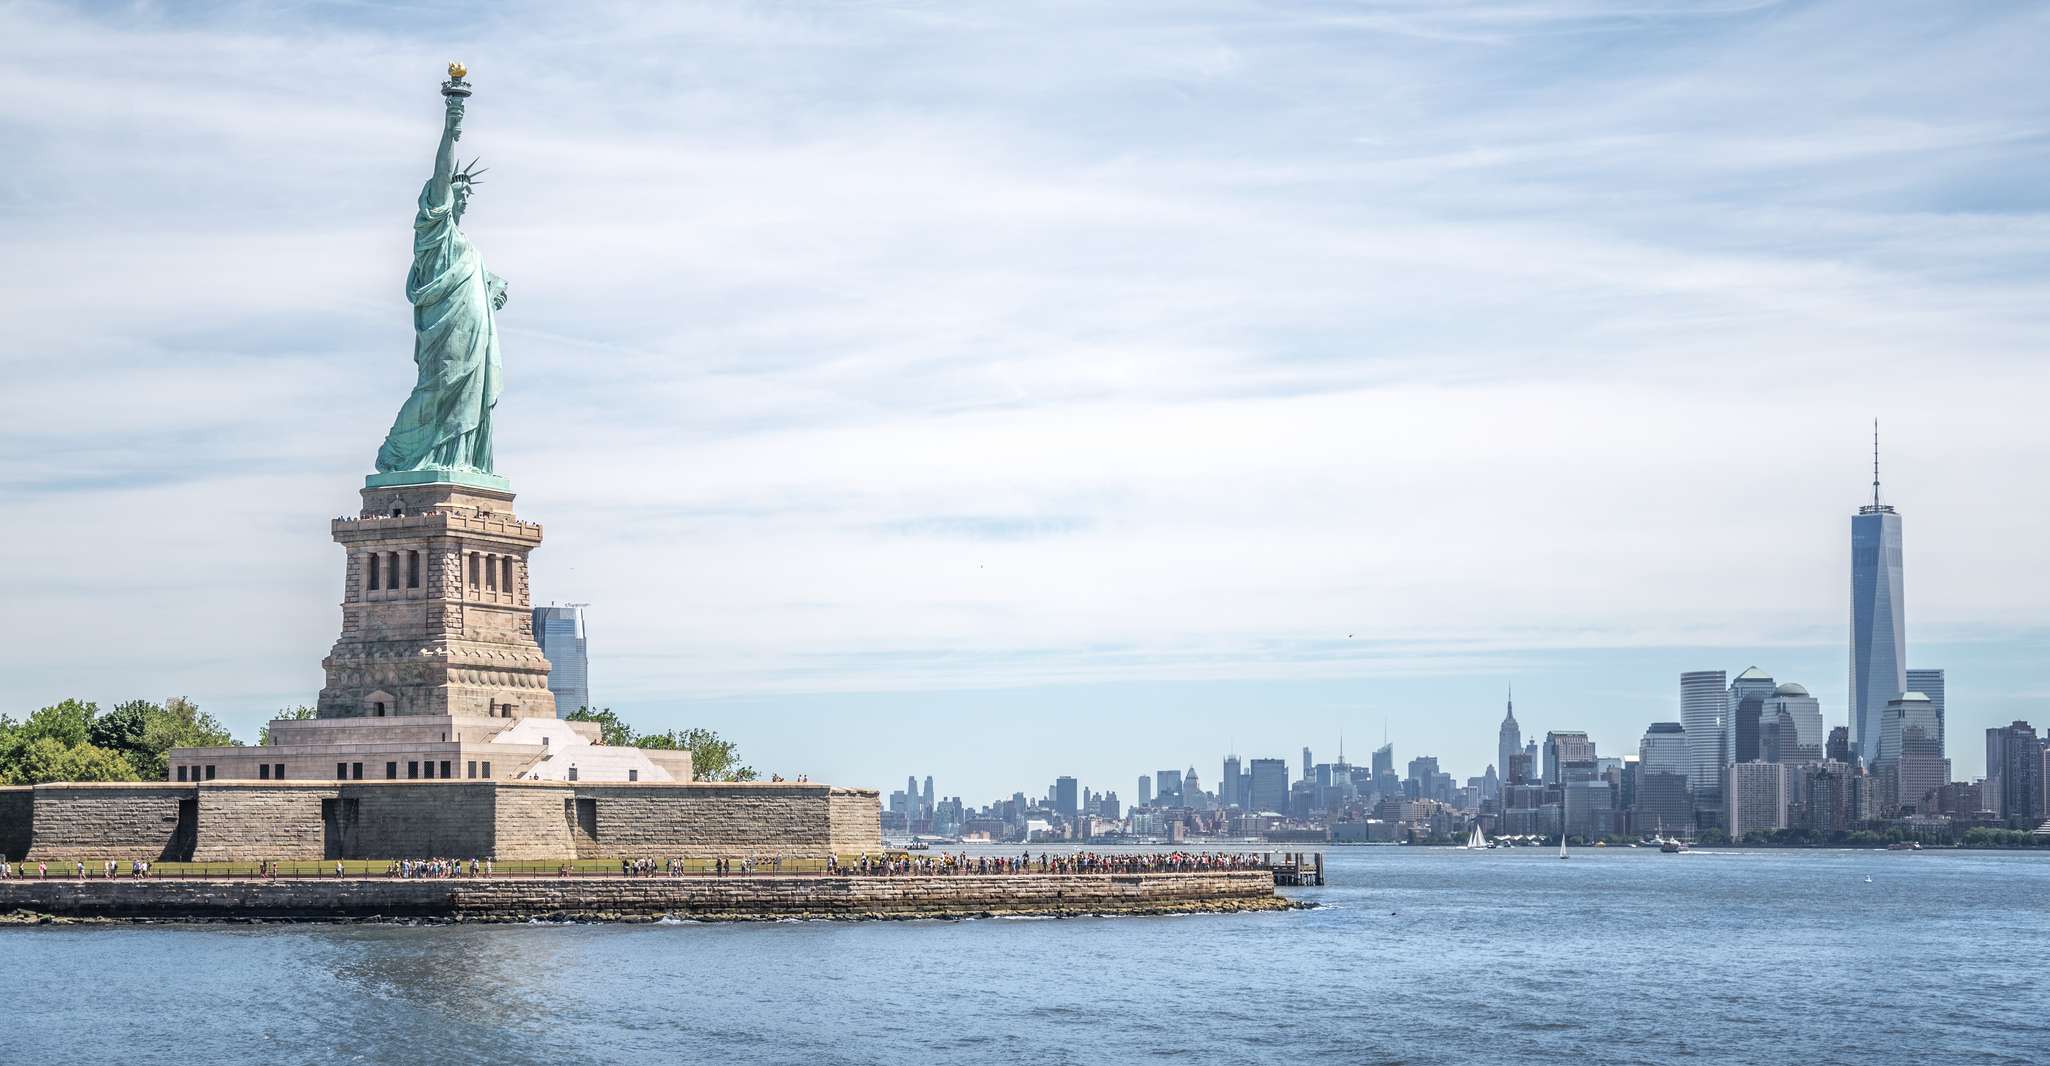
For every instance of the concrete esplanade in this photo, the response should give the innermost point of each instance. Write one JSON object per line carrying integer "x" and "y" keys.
{"x": 703, "y": 898}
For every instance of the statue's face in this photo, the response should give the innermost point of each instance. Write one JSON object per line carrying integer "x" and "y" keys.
{"x": 461, "y": 191}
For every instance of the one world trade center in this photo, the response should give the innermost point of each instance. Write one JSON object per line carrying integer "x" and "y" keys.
{"x": 1878, "y": 629}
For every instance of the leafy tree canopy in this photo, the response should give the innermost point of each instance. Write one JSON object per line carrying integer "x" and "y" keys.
{"x": 73, "y": 741}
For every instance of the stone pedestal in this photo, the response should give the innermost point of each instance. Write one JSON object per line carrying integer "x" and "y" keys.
{"x": 436, "y": 618}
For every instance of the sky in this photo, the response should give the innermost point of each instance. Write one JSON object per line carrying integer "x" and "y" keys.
{"x": 998, "y": 391}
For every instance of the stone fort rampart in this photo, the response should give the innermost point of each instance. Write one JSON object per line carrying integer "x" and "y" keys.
{"x": 217, "y": 821}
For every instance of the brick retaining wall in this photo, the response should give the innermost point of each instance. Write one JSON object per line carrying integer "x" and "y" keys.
{"x": 739, "y": 897}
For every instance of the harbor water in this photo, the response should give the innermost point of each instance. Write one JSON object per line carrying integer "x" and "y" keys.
{"x": 1412, "y": 955}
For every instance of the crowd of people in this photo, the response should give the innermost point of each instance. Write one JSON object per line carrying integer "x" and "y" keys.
{"x": 884, "y": 865}
{"x": 1086, "y": 862}
{"x": 426, "y": 868}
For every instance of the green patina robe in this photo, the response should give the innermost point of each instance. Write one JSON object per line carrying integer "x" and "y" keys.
{"x": 446, "y": 422}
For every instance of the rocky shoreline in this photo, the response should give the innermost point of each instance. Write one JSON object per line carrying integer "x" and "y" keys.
{"x": 637, "y": 899}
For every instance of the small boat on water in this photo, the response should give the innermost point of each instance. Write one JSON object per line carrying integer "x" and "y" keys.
{"x": 1671, "y": 846}
{"x": 1477, "y": 841}
{"x": 1562, "y": 846}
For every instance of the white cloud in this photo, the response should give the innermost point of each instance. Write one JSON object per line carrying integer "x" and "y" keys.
{"x": 894, "y": 347}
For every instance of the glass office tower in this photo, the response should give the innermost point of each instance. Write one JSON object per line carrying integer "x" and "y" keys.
{"x": 1879, "y": 635}
{"x": 1704, "y": 712}
{"x": 560, "y": 632}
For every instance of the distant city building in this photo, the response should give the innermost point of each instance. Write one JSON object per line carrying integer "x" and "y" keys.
{"x": 560, "y": 632}
{"x": 1228, "y": 786}
{"x": 1904, "y": 712}
{"x": 1563, "y": 747}
{"x": 1522, "y": 770}
{"x": 1509, "y": 742}
{"x": 1167, "y": 788}
{"x": 1704, "y": 705}
{"x": 1791, "y": 726}
{"x": 2014, "y": 774}
{"x": 1270, "y": 786}
{"x": 1384, "y": 763}
{"x": 1424, "y": 771}
{"x": 1930, "y": 683}
{"x": 1145, "y": 790}
{"x": 1589, "y": 808}
{"x": 1748, "y": 694}
{"x": 1662, "y": 803}
{"x": 1879, "y": 639}
{"x": 1838, "y": 747}
{"x": 1835, "y": 798}
{"x": 1065, "y": 801}
{"x": 1663, "y": 749}
{"x": 1755, "y": 798}
{"x": 1910, "y": 755}
{"x": 1306, "y": 763}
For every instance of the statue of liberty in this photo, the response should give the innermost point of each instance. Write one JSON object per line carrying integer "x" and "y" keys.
{"x": 443, "y": 431}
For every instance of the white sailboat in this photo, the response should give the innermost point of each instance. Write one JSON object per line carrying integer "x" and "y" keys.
{"x": 1478, "y": 841}
{"x": 1562, "y": 845}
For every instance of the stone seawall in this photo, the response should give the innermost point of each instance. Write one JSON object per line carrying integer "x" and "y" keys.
{"x": 280, "y": 821}
{"x": 730, "y": 820}
{"x": 105, "y": 820}
{"x": 643, "y": 898}
{"x": 249, "y": 821}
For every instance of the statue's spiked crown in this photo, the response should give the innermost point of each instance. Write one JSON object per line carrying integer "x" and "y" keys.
{"x": 466, "y": 175}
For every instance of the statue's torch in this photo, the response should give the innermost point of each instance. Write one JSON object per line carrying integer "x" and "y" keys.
{"x": 455, "y": 85}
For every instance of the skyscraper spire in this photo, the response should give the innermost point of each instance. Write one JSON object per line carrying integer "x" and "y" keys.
{"x": 1875, "y": 464}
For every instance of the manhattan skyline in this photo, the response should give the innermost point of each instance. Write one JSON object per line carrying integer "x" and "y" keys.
{"x": 991, "y": 424}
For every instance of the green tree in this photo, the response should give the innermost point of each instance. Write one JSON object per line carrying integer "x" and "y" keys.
{"x": 73, "y": 741}
{"x": 300, "y": 713}
{"x": 179, "y": 723}
{"x": 67, "y": 723}
{"x": 33, "y": 751}
{"x": 712, "y": 758}
{"x": 610, "y": 729}
{"x": 47, "y": 759}
{"x": 122, "y": 728}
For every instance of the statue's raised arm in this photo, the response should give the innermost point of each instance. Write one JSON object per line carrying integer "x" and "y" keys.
{"x": 445, "y": 154}
{"x": 443, "y": 431}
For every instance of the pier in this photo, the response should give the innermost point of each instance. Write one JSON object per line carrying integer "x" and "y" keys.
{"x": 1298, "y": 870}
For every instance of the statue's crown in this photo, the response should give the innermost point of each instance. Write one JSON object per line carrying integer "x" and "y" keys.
{"x": 468, "y": 176}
